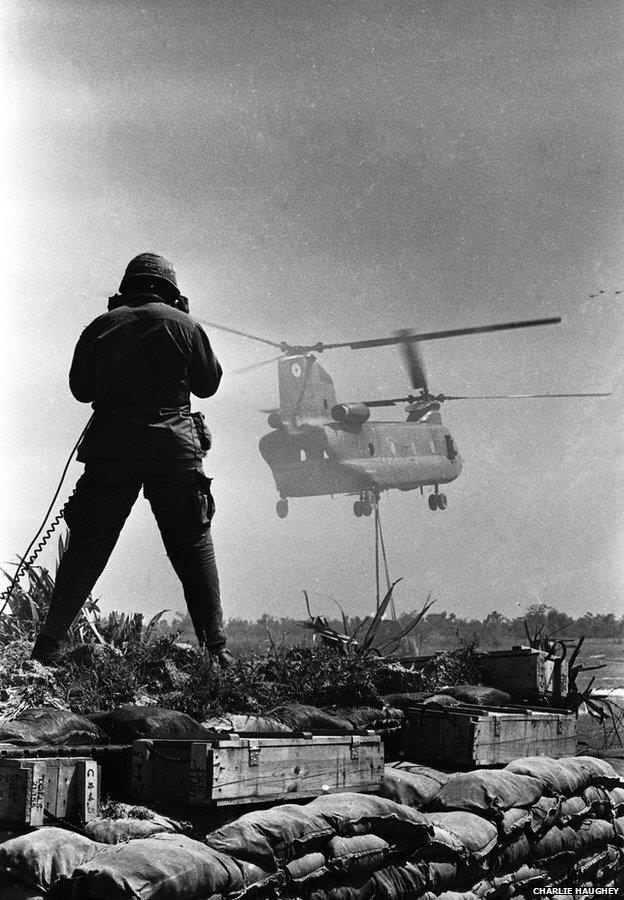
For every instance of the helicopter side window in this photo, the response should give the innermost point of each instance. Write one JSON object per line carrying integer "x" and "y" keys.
{"x": 371, "y": 449}
{"x": 451, "y": 452}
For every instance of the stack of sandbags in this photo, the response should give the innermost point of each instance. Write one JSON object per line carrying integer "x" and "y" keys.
{"x": 554, "y": 823}
{"x": 53, "y": 862}
{"x": 339, "y": 846}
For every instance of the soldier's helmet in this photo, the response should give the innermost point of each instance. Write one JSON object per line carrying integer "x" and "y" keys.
{"x": 150, "y": 268}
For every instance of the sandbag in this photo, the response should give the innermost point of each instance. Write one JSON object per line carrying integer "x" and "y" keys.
{"x": 458, "y": 895}
{"x": 398, "y": 882}
{"x": 556, "y": 840}
{"x": 545, "y": 812}
{"x": 370, "y": 717}
{"x": 526, "y": 878}
{"x": 405, "y": 699}
{"x": 559, "y": 867}
{"x": 360, "y": 855}
{"x": 269, "y": 836}
{"x": 125, "y": 822}
{"x": 246, "y": 724}
{"x": 410, "y": 784}
{"x": 573, "y": 811}
{"x": 559, "y": 777}
{"x": 514, "y": 820}
{"x": 16, "y": 891}
{"x": 488, "y": 792}
{"x": 512, "y": 854}
{"x": 164, "y": 867}
{"x": 300, "y": 717}
{"x": 475, "y": 834}
{"x": 43, "y": 857}
{"x": 477, "y": 694}
{"x": 352, "y": 814}
{"x": 46, "y": 725}
{"x": 596, "y": 771}
{"x": 114, "y": 831}
{"x": 441, "y": 874}
{"x": 520, "y": 883}
{"x": 306, "y": 869}
{"x": 616, "y": 800}
{"x": 596, "y": 866}
{"x": 354, "y": 889}
{"x": 594, "y": 834}
{"x": 131, "y": 723}
{"x": 441, "y": 845}
{"x": 440, "y": 699}
{"x": 597, "y": 800}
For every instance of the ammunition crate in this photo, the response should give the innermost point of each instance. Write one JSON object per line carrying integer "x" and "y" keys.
{"x": 470, "y": 736}
{"x": 245, "y": 770}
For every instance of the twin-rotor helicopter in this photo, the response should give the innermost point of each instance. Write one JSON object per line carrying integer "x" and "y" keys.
{"x": 319, "y": 446}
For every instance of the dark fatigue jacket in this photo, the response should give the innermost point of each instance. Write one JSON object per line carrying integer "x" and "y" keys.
{"x": 138, "y": 365}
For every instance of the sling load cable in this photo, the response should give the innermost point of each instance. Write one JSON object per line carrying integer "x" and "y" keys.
{"x": 379, "y": 542}
{"x": 5, "y": 596}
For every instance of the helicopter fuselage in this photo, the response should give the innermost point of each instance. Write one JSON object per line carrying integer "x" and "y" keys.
{"x": 319, "y": 447}
{"x": 318, "y": 458}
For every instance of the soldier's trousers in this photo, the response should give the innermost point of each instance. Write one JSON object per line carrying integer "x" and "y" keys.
{"x": 180, "y": 497}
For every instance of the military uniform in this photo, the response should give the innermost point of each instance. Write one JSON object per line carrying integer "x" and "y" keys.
{"x": 138, "y": 364}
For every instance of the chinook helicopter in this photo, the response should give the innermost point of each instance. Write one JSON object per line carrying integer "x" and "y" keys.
{"x": 319, "y": 446}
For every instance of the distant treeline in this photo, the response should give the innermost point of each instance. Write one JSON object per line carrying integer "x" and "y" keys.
{"x": 437, "y": 631}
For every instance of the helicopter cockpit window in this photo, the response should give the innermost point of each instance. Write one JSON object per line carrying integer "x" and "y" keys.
{"x": 371, "y": 450}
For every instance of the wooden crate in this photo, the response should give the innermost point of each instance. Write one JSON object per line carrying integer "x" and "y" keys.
{"x": 525, "y": 672}
{"x": 466, "y": 737}
{"x": 35, "y": 790}
{"x": 255, "y": 769}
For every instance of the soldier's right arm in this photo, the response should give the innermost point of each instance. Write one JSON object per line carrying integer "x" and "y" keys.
{"x": 82, "y": 371}
{"x": 205, "y": 372}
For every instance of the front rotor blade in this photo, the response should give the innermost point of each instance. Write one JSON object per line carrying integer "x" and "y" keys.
{"x": 251, "y": 337}
{"x": 413, "y": 360}
{"x": 436, "y": 335}
{"x": 265, "y": 362}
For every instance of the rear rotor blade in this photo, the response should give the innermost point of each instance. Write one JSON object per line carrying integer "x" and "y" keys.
{"x": 435, "y": 335}
{"x": 413, "y": 360}
{"x": 251, "y": 337}
{"x": 443, "y": 397}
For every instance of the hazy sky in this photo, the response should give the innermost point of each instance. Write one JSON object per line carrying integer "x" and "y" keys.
{"x": 333, "y": 171}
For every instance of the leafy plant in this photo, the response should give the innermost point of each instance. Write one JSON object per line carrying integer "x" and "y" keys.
{"x": 369, "y": 643}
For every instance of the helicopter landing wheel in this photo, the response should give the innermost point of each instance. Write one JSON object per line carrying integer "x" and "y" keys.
{"x": 282, "y": 508}
{"x": 358, "y": 508}
{"x": 367, "y": 509}
{"x": 442, "y": 501}
{"x": 433, "y": 501}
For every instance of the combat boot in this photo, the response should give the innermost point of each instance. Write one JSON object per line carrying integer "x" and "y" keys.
{"x": 46, "y": 650}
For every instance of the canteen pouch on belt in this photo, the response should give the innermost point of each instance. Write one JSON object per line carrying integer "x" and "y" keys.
{"x": 203, "y": 432}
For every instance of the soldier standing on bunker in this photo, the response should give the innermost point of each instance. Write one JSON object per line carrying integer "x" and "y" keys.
{"x": 138, "y": 364}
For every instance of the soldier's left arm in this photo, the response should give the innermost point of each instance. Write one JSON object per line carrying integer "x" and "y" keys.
{"x": 82, "y": 371}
